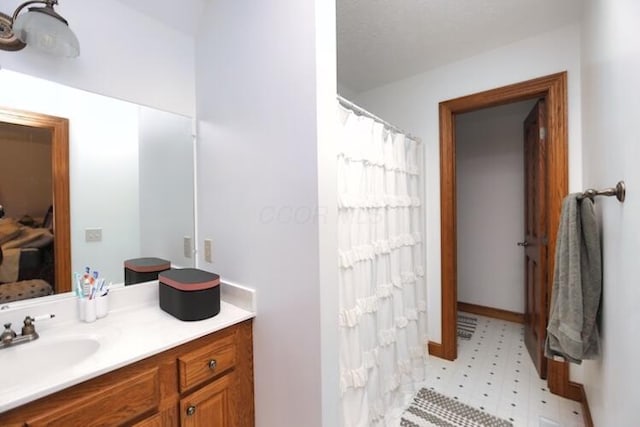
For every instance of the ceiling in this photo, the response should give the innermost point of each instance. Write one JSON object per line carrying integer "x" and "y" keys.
{"x": 381, "y": 41}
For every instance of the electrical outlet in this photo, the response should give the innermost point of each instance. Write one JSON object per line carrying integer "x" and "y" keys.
{"x": 187, "y": 247}
{"x": 207, "y": 250}
{"x": 93, "y": 234}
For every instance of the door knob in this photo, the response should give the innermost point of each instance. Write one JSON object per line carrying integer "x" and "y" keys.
{"x": 191, "y": 410}
{"x": 525, "y": 243}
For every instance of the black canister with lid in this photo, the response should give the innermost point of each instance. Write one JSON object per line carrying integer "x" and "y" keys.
{"x": 139, "y": 270}
{"x": 189, "y": 293}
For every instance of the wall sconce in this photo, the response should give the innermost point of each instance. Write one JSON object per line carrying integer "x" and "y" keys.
{"x": 40, "y": 27}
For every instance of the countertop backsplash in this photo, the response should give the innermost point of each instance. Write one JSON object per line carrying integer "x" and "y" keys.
{"x": 120, "y": 298}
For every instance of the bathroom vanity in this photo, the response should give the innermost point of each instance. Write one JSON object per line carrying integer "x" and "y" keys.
{"x": 149, "y": 369}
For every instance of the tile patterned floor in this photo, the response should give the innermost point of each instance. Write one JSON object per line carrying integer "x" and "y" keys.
{"x": 494, "y": 372}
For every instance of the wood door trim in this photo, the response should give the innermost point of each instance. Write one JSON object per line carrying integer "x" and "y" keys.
{"x": 494, "y": 313}
{"x": 59, "y": 128}
{"x": 435, "y": 349}
{"x": 554, "y": 89}
{"x": 586, "y": 412}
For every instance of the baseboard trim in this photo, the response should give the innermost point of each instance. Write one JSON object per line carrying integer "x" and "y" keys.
{"x": 435, "y": 349}
{"x": 586, "y": 412}
{"x": 494, "y": 313}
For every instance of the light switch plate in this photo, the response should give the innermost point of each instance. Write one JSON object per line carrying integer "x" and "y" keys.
{"x": 208, "y": 257}
{"x": 93, "y": 234}
{"x": 187, "y": 247}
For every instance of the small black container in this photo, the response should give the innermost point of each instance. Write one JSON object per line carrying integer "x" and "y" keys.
{"x": 189, "y": 293}
{"x": 139, "y": 270}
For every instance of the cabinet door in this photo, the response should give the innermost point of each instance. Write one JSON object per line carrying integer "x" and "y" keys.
{"x": 211, "y": 406}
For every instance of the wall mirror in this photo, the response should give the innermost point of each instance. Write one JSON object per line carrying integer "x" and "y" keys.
{"x": 130, "y": 187}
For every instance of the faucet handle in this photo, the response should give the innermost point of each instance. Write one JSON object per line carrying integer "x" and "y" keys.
{"x": 8, "y": 334}
{"x": 29, "y": 328}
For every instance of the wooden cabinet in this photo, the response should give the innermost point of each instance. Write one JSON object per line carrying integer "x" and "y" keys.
{"x": 202, "y": 383}
{"x": 212, "y": 405}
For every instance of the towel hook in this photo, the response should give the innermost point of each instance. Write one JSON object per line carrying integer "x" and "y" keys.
{"x": 620, "y": 191}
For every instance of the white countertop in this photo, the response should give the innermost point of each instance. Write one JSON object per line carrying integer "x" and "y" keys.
{"x": 135, "y": 328}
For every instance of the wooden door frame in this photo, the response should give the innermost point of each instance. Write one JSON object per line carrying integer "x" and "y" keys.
{"x": 554, "y": 89}
{"x": 59, "y": 128}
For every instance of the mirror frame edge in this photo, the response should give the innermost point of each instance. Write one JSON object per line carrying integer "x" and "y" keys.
{"x": 59, "y": 128}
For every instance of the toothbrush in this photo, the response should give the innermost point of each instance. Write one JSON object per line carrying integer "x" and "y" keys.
{"x": 78, "y": 282}
{"x": 106, "y": 289}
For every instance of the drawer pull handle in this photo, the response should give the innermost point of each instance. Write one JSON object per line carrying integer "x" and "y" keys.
{"x": 191, "y": 410}
{"x": 213, "y": 364}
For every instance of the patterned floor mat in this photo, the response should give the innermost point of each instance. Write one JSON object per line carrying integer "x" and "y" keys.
{"x": 466, "y": 326}
{"x": 430, "y": 408}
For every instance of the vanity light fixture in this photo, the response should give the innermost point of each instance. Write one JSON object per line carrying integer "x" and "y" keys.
{"x": 40, "y": 27}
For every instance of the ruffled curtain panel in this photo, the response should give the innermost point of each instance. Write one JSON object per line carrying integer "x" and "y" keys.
{"x": 383, "y": 322}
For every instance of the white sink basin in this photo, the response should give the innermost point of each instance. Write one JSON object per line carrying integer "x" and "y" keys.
{"x": 45, "y": 357}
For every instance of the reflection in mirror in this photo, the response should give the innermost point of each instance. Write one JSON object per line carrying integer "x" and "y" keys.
{"x": 130, "y": 176}
{"x": 26, "y": 200}
{"x": 34, "y": 178}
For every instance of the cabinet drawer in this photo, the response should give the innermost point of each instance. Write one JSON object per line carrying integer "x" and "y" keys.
{"x": 207, "y": 362}
{"x": 111, "y": 405}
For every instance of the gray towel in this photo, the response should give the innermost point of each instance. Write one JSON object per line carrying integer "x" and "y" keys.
{"x": 577, "y": 284}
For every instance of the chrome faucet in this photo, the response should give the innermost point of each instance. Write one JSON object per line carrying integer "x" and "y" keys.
{"x": 9, "y": 338}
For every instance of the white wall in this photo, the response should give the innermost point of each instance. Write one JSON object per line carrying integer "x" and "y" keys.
{"x": 490, "y": 206}
{"x": 413, "y": 105}
{"x": 611, "y": 107}
{"x": 256, "y": 78}
{"x": 166, "y": 174}
{"x": 123, "y": 54}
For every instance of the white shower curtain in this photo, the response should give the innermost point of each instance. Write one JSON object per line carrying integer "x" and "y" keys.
{"x": 382, "y": 290}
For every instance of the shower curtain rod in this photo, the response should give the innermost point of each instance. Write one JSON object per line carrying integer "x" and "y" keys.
{"x": 361, "y": 111}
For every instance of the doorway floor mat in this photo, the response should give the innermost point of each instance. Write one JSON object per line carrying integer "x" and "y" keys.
{"x": 466, "y": 326}
{"x": 430, "y": 408}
